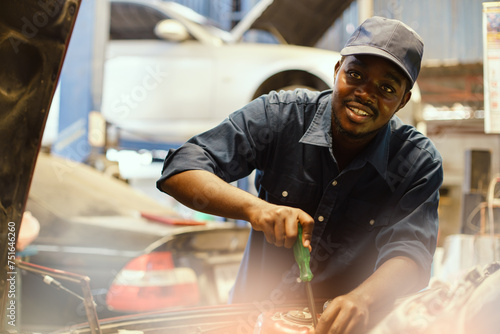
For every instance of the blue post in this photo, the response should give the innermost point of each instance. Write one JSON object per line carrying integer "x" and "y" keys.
{"x": 75, "y": 88}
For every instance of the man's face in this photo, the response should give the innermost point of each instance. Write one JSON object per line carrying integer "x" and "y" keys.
{"x": 368, "y": 90}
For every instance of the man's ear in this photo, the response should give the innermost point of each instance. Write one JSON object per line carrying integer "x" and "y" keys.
{"x": 337, "y": 68}
{"x": 404, "y": 100}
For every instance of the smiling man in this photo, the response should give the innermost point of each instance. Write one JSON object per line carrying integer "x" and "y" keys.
{"x": 363, "y": 185}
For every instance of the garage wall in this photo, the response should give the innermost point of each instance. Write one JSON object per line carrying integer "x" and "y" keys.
{"x": 453, "y": 145}
{"x": 451, "y": 29}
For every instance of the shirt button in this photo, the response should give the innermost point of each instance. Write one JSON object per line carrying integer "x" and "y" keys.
{"x": 284, "y": 193}
{"x": 334, "y": 183}
{"x": 372, "y": 221}
{"x": 321, "y": 218}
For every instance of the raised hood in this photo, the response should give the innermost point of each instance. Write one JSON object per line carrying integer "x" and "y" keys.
{"x": 298, "y": 22}
{"x": 34, "y": 35}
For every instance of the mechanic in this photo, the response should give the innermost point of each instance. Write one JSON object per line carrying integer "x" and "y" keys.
{"x": 363, "y": 185}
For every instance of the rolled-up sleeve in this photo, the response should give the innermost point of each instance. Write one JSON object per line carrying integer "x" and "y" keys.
{"x": 231, "y": 150}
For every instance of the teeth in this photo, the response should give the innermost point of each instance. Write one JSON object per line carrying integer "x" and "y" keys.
{"x": 359, "y": 112}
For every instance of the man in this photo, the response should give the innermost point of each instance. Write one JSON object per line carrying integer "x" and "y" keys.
{"x": 363, "y": 185}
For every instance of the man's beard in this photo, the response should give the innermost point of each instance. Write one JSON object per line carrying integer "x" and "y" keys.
{"x": 337, "y": 127}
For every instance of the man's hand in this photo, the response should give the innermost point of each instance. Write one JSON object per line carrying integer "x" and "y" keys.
{"x": 347, "y": 314}
{"x": 360, "y": 309}
{"x": 279, "y": 224}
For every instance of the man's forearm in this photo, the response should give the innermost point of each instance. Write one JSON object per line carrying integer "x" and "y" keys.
{"x": 395, "y": 278}
{"x": 203, "y": 191}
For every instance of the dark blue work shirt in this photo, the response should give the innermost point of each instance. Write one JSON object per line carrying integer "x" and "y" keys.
{"x": 383, "y": 204}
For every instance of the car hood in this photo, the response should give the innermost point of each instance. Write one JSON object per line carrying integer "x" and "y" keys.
{"x": 34, "y": 36}
{"x": 316, "y": 17}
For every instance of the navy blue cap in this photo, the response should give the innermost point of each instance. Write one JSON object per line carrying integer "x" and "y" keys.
{"x": 391, "y": 39}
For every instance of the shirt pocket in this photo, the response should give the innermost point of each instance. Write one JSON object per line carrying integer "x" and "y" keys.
{"x": 365, "y": 216}
{"x": 285, "y": 190}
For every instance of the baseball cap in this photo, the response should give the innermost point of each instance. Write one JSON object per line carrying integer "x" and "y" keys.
{"x": 391, "y": 39}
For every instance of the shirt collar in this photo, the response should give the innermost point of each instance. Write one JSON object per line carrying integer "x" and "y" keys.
{"x": 318, "y": 130}
{"x": 376, "y": 153}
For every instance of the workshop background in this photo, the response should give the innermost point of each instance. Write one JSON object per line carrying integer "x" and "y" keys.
{"x": 449, "y": 107}
{"x": 451, "y": 86}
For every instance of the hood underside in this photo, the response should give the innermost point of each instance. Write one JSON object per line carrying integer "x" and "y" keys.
{"x": 298, "y": 22}
{"x": 34, "y": 36}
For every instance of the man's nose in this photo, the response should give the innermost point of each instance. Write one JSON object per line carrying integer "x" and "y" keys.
{"x": 366, "y": 94}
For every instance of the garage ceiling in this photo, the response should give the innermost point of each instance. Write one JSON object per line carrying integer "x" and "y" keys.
{"x": 300, "y": 22}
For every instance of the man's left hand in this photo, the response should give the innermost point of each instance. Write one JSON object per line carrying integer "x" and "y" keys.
{"x": 347, "y": 314}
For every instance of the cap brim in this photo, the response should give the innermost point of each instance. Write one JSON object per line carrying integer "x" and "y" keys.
{"x": 370, "y": 50}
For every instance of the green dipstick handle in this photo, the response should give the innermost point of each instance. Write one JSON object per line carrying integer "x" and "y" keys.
{"x": 302, "y": 257}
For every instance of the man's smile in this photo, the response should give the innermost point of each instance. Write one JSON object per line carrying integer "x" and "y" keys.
{"x": 358, "y": 112}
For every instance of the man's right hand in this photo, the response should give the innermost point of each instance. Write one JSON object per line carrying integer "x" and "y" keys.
{"x": 280, "y": 224}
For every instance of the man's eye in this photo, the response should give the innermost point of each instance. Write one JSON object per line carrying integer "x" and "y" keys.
{"x": 355, "y": 75}
{"x": 388, "y": 89}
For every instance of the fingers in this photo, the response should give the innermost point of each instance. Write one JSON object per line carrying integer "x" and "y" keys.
{"x": 280, "y": 225}
{"x": 343, "y": 316}
{"x": 285, "y": 227}
{"x": 289, "y": 223}
{"x": 343, "y": 324}
{"x": 269, "y": 232}
{"x": 307, "y": 223}
{"x": 291, "y": 228}
{"x": 279, "y": 233}
{"x": 326, "y": 320}
{"x": 342, "y": 321}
